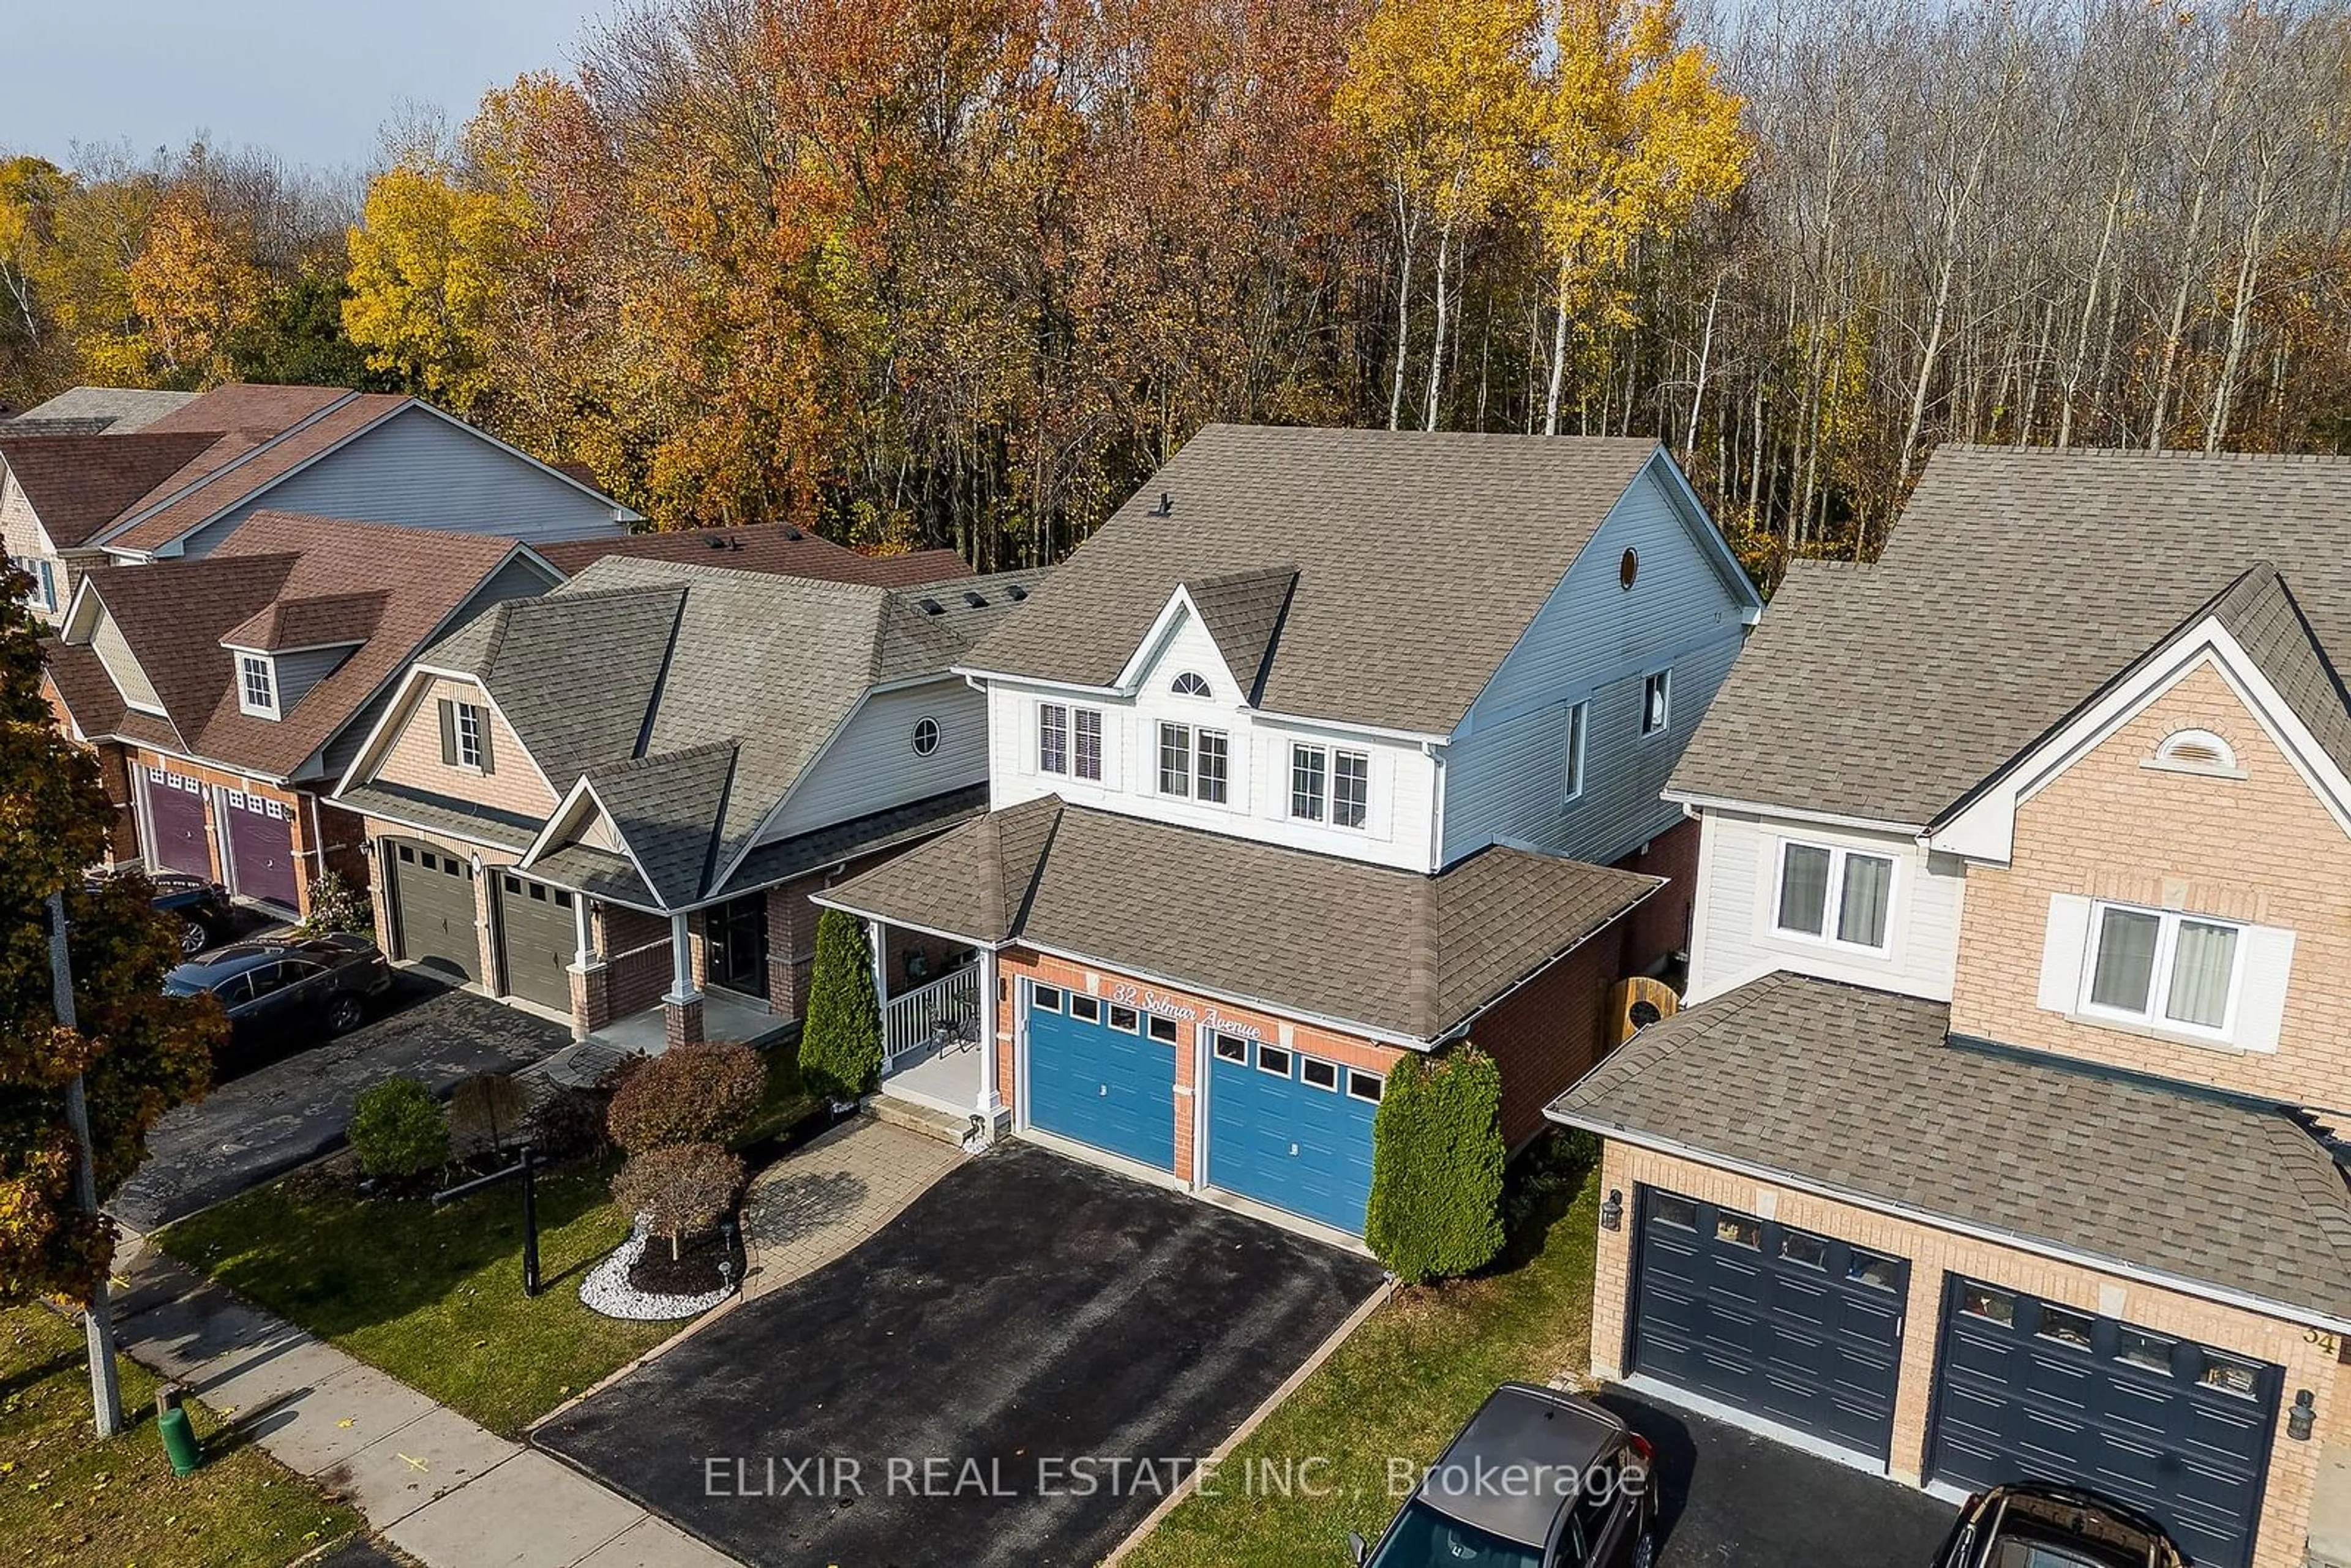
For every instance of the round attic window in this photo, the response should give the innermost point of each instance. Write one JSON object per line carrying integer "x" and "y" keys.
{"x": 927, "y": 737}
{"x": 1629, "y": 567}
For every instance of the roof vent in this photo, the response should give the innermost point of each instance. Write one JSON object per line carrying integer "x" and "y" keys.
{"x": 1166, "y": 507}
{"x": 715, "y": 542}
{"x": 973, "y": 599}
{"x": 931, "y": 607}
{"x": 735, "y": 542}
{"x": 793, "y": 534}
{"x": 1016, "y": 593}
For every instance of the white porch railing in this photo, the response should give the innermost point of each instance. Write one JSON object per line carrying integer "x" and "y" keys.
{"x": 945, "y": 1011}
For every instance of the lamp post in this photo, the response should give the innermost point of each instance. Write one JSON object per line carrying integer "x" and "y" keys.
{"x": 525, "y": 1167}
{"x": 97, "y": 1312}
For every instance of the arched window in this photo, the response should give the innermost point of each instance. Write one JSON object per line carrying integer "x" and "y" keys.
{"x": 2197, "y": 751}
{"x": 1188, "y": 684}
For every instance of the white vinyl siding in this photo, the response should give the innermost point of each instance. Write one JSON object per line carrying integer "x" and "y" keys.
{"x": 1829, "y": 893}
{"x": 2174, "y": 973}
{"x": 423, "y": 471}
{"x": 1736, "y": 931}
{"x": 871, "y": 764}
{"x": 1594, "y": 643}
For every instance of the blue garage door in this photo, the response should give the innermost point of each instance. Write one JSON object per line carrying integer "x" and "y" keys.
{"x": 1292, "y": 1129}
{"x": 1095, "y": 1075}
{"x": 2028, "y": 1389}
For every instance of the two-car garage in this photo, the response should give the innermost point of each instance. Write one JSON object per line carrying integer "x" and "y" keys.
{"x": 1807, "y": 1332}
{"x": 1276, "y": 1123}
{"x": 437, "y": 915}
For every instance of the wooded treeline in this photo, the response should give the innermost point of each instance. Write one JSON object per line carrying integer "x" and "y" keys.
{"x": 963, "y": 271}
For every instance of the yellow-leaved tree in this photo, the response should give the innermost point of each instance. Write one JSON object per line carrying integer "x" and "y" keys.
{"x": 428, "y": 264}
{"x": 1635, "y": 135}
{"x": 1443, "y": 94}
{"x": 192, "y": 285}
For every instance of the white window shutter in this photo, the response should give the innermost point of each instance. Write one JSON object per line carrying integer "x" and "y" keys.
{"x": 2260, "y": 996}
{"x": 2061, "y": 951}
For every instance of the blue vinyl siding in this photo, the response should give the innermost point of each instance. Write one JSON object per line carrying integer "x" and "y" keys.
{"x": 1107, "y": 1088}
{"x": 1595, "y": 642}
{"x": 419, "y": 469}
{"x": 1278, "y": 1139}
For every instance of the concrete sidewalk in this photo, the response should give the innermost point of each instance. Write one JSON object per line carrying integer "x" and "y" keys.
{"x": 438, "y": 1486}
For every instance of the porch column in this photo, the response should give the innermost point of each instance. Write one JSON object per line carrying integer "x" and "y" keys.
{"x": 877, "y": 939}
{"x": 584, "y": 975}
{"x": 990, "y": 1102}
{"x": 682, "y": 1009}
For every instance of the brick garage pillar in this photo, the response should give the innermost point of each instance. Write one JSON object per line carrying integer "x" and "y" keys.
{"x": 682, "y": 1007}
{"x": 681, "y": 1022}
{"x": 792, "y": 947}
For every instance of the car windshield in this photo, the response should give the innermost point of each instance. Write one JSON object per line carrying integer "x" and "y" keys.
{"x": 2014, "y": 1553}
{"x": 1424, "y": 1538}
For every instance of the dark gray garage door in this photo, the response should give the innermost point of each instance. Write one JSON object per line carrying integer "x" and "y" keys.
{"x": 2028, "y": 1389}
{"x": 432, "y": 898}
{"x": 1796, "y": 1327}
{"x": 538, "y": 940}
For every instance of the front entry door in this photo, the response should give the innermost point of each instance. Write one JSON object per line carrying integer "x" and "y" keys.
{"x": 738, "y": 935}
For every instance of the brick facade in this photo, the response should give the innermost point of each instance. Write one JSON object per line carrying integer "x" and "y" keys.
{"x": 2262, "y": 848}
{"x": 298, "y": 804}
{"x": 1552, "y": 1030}
{"x": 2309, "y": 1357}
{"x": 1660, "y": 927}
{"x": 413, "y": 758}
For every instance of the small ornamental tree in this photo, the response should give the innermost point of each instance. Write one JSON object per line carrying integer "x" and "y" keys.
{"x": 1436, "y": 1166}
{"x": 679, "y": 1190}
{"x": 840, "y": 1046}
{"x": 398, "y": 1131}
{"x": 688, "y": 1095}
{"x": 485, "y": 1111}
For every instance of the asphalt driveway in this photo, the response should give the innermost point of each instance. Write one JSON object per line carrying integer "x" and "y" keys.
{"x": 270, "y": 1120}
{"x": 1027, "y": 1320}
{"x": 1728, "y": 1497}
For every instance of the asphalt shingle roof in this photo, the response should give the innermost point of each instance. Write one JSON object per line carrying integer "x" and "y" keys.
{"x": 80, "y": 483}
{"x": 1863, "y": 1093}
{"x": 763, "y": 546}
{"x": 1424, "y": 952}
{"x": 1421, "y": 558}
{"x": 641, "y": 662}
{"x": 395, "y": 586}
{"x": 121, "y": 410}
{"x": 271, "y": 452}
{"x": 2021, "y": 582}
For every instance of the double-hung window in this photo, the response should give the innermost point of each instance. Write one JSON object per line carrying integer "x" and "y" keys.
{"x": 2163, "y": 967}
{"x": 256, "y": 687}
{"x": 1329, "y": 784}
{"x": 41, "y": 593}
{"x": 1070, "y": 740}
{"x": 1834, "y": 895}
{"x": 1088, "y": 724}
{"x": 1052, "y": 738}
{"x": 469, "y": 734}
{"x": 1174, "y": 759}
{"x": 1193, "y": 762}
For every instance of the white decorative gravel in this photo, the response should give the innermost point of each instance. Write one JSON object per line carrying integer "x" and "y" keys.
{"x": 607, "y": 1290}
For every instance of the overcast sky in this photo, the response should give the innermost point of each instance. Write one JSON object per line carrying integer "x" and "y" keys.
{"x": 310, "y": 79}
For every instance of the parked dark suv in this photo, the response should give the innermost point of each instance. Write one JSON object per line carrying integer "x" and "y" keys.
{"x": 1537, "y": 1479}
{"x": 2026, "y": 1525}
{"x": 282, "y": 994}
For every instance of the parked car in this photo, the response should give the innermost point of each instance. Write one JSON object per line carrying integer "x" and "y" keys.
{"x": 199, "y": 910}
{"x": 287, "y": 992}
{"x": 2026, "y": 1525}
{"x": 1537, "y": 1479}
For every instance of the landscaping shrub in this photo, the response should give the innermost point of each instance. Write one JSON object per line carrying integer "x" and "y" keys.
{"x": 485, "y": 1112}
{"x": 398, "y": 1131}
{"x": 679, "y": 1189}
{"x": 568, "y": 1123}
{"x": 336, "y": 906}
{"x": 1547, "y": 1175}
{"x": 1436, "y": 1166}
{"x": 688, "y": 1095}
{"x": 841, "y": 1045}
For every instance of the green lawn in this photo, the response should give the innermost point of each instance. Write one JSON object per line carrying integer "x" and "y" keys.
{"x": 433, "y": 1296}
{"x": 67, "y": 1497}
{"x": 1398, "y": 1388}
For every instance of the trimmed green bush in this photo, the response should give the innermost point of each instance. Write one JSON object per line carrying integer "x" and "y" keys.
{"x": 841, "y": 1045}
{"x": 397, "y": 1130}
{"x": 702, "y": 1093}
{"x": 1436, "y": 1166}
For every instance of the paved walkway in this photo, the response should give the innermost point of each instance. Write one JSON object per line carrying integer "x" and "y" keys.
{"x": 253, "y": 1127}
{"x": 804, "y": 1212}
{"x": 439, "y": 1488}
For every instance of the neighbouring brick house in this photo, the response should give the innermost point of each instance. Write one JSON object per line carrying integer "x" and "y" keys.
{"x": 224, "y": 696}
{"x": 615, "y": 800}
{"x": 1329, "y": 748}
{"x": 1998, "y": 1138}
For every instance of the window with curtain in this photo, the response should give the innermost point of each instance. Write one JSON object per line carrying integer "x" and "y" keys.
{"x": 1088, "y": 724}
{"x": 2163, "y": 967}
{"x": 1052, "y": 738}
{"x": 1834, "y": 895}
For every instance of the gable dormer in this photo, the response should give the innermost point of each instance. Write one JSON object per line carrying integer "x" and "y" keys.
{"x": 288, "y": 647}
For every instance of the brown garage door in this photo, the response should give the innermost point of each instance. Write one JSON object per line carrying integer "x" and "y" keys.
{"x": 537, "y": 940}
{"x": 432, "y": 904}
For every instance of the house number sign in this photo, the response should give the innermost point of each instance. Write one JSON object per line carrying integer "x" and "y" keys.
{"x": 1169, "y": 1007}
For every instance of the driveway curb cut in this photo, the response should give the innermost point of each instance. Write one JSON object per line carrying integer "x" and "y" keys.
{"x": 1273, "y": 1401}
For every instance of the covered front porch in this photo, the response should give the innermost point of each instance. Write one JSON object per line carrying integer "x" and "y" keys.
{"x": 937, "y": 1049}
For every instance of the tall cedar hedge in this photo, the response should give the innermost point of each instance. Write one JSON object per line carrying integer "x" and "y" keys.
{"x": 840, "y": 1046}
{"x": 1436, "y": 1166}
